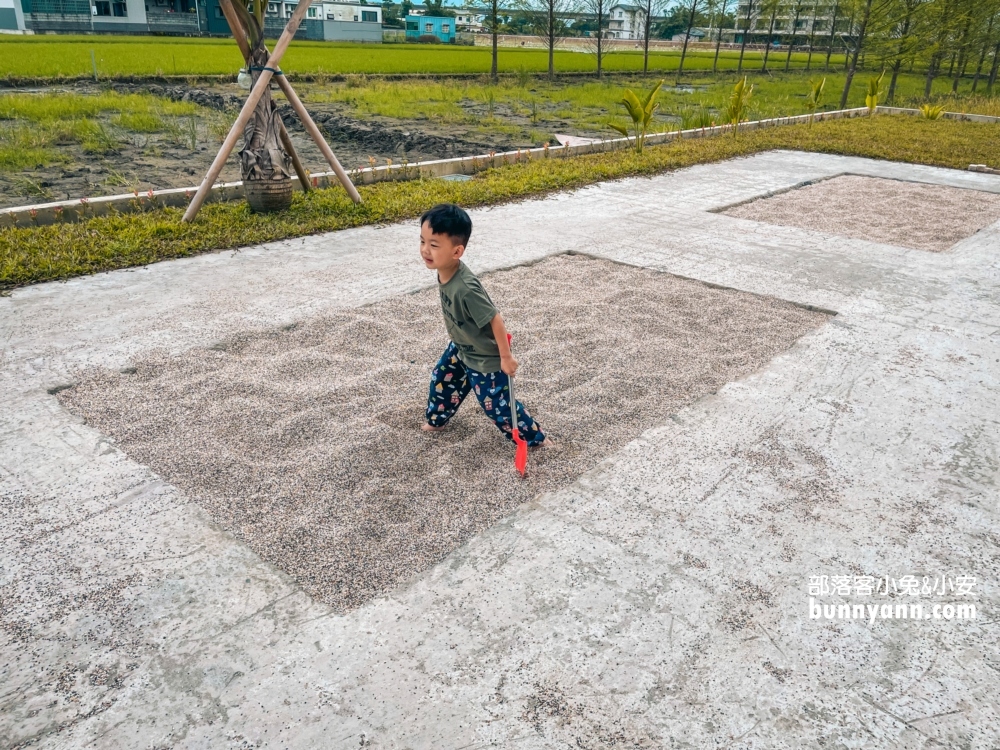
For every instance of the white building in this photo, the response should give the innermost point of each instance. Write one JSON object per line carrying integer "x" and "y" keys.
{"x": 793, "y": 22}
{"x": 325, "y": 11}
{"x": 626, "y": 22}
{"x": 468, "y": 20}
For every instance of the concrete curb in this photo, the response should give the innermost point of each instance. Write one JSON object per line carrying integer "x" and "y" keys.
{"x": 86, "y": 208}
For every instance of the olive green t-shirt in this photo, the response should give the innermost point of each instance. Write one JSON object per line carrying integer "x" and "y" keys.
{"x": 468, "y": 311}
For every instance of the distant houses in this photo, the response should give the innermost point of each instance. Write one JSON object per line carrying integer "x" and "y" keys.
{"x": 697, "y": 35}
{"x": 329, "y": 20}
{"x": 332, "y": 21}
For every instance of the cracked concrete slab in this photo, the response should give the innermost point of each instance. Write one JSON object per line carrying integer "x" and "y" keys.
{"x": 661, "y": 600}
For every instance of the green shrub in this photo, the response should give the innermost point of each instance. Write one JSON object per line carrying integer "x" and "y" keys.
{"x": 931, "y": 111}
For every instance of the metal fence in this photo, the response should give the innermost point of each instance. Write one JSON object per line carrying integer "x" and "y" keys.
{"x": 172, "y": 23}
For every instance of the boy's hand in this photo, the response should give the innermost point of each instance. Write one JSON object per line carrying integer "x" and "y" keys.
{"x": 509, "y": 365}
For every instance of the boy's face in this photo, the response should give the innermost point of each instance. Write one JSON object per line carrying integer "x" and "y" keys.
{"x": 438, "y": 250}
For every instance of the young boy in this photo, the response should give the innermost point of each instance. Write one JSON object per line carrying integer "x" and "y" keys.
{"x": 478, "y": 357}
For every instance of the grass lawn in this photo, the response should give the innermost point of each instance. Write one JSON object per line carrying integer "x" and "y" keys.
{"x": 69, "y": 57}
{"x": 61, "y": 251}
{"x": 38, "y": 130}
{"x": 594, "y": 104}
{"x": 33, "y": 128}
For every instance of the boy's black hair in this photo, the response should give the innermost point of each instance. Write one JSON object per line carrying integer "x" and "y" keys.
{"x": 449, "y": 219}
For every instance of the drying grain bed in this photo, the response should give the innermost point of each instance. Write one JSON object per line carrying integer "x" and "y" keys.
{"x": 892, "y": 212}
{"x": 305, "y": 441}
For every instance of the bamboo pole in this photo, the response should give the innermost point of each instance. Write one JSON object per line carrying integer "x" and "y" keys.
{"x": 317, "y": 136}
{"x": 303, "y": 175}
{"x": 239, "y": 33}
{"x": 248, "y": 107}
{"x": 241, "y": 41}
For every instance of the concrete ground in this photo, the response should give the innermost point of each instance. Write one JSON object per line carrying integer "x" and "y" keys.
{"x": 661, "y": 600}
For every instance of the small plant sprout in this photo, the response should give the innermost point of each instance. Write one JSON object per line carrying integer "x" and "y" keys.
{"x": 931, "y": 111}
{"x": 814, "y": 100}
{"x": 739, "y": 102}
{"x": 641, "y": 114}
{"x": 874, "y": 93}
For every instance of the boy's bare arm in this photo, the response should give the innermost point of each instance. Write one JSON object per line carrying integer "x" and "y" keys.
{"x": 507, "y": 362}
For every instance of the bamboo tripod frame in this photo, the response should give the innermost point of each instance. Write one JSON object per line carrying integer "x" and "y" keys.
{"x": 246, "y": 113}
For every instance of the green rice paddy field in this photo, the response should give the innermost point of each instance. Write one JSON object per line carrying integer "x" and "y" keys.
{"x": 120, "y": 56}
{"x": 594, "y": 104}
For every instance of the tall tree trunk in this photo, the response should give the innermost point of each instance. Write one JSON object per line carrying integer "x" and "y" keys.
{"x": 552, "y": 40}
{"x": 718, "y": 40}
{"x": 646, "y": 24}
{"x": 600, "y": 39}
{"x": 770, "y": 34}
{"x": 795, "y": 26}
{"x": 898, "y": 64}
{"x": 494, "y": 10}
{"x": 891, "y": 96}
{"x": 932, "y": 70}
{"x": 812, "y": 36}
{"x": 833, "y": 34}
{"x": 935, "y": 64}
{"x": 746, "y": 33}
{"x": 687, "y": 37}
{"x": 857, "y": 51}
{"x": 850, "y": 30}
{"x": 993, "y": 70}
{"x": 962, "y": 54}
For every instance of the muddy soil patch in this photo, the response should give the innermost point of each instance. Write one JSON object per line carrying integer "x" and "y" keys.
{"x": 180, "y": 155}
{"x": 305, "y": 442}
{"x": 373, "y": 137}
{"x": 908, "y": 214}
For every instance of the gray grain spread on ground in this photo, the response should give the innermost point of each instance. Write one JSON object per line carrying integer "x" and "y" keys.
{"x": 907, "y": 214}
{"x": 305, "y": 442}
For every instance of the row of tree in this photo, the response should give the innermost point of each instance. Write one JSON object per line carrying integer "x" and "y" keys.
{"x": 956, "y": 38}
{"x": 953, "y": 38}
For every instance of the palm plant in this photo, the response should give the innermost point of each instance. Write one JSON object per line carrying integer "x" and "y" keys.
{"x": 264, "y": 163}
{"x": 641, "y": 114}
{"x": 739, "y": 103}
{"x": 814, "y": 100}
{"x": 931, "y": 111}
{"x": 874, "y": 93}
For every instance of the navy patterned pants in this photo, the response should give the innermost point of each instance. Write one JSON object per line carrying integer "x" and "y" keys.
{"x": 451, "y": 382}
